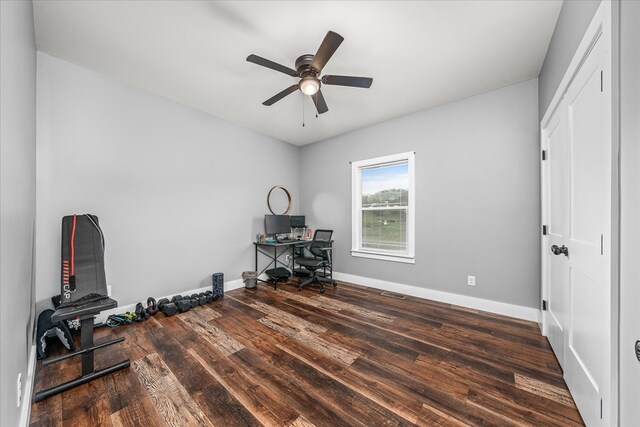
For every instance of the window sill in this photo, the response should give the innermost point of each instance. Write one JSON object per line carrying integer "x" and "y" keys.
{"x": 405, "y": 259}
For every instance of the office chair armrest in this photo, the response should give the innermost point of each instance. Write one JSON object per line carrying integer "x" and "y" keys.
{"x": 327, "y": 252}
{"x": 298, "y": 249}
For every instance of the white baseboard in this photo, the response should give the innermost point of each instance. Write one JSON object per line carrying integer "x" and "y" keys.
{"x": 228, "y": 286}
{"x": 25, "y": 410}
{"x": 518, "y": 311}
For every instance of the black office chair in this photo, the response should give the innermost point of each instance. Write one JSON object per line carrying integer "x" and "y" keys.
{"x": 320, "y": 250}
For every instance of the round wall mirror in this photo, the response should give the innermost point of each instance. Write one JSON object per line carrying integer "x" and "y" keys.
{"x": 279, "y": 200}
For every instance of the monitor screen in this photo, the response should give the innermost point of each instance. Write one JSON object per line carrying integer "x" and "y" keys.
{"x": 298, "y": 221}
{"x": 277, "y": 224}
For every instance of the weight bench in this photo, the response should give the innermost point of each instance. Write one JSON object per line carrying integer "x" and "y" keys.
{"x": 86, "y": 313}
{"x": 84, "y": 295}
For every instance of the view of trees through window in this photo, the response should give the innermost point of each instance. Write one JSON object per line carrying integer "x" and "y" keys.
{"x": 385, "y": 200}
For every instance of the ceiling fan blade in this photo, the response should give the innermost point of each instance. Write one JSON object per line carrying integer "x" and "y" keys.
{"x": 270, "y": 64}
{"x": 280, "y": 95}
{"x": 326, "y": 50}
{"x": 321, "y": 105}
{"x": 364, "y": 82}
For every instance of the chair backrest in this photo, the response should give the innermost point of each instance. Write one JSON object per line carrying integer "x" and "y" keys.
{"x": 321, "y": 239}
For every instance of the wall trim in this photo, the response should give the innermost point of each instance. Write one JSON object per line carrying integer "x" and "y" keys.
{"x": 589, "y": 39}
{"x": 506, "y": 309}
{"x": 406, "y": 259}
{"x": 228, "y": 286}
{"x": 27, "y": 392}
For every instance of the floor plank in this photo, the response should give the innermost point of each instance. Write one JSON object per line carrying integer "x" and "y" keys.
{"x": 172, "y": 402}
{"x": 349, "y": 357}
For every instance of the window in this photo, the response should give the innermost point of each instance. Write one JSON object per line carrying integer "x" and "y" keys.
{"x": 383, "y": 209}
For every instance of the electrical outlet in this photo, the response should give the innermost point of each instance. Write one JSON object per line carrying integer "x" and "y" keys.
{"x": 19, "y": 390}
{"x": 108, "y": 290}
{"x": 471, "y": 280}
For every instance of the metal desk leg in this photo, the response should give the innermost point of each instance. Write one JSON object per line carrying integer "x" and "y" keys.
{"x": 275, "y": 258}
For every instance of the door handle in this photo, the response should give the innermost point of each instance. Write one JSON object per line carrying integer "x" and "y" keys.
{"x": 560, "y": 250}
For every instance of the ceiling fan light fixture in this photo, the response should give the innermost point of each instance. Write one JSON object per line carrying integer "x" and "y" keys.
{"x": 308, "y": 68}
{"x": 309, "y": 85}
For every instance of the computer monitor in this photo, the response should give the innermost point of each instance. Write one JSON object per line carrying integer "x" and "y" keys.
{"x": 277, "y": 224}
{"x": 298, "y": 221}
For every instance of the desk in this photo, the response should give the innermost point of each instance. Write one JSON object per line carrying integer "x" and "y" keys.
{"x": 276, "y": 250}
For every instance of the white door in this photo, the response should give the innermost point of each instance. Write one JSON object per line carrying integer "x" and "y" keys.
{"x": 587, "y": 332}
{"x": 577, "y": 210}
{"x": 556, "y": 179}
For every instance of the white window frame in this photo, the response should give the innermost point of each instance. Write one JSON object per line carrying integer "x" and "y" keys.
{"x": 356, "y": 210}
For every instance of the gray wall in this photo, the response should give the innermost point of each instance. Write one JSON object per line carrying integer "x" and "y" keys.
{"x": 17, "y": 198}
{"x": 575, "y": 17}
{"x": 180, "y": 194}
{"x": 629, "y": 210}
{"x": 477, "y": 194}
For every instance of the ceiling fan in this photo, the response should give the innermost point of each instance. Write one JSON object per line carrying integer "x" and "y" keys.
{"x": 308, "y": 68}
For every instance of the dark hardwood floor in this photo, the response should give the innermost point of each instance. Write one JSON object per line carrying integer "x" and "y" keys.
{"x": 350, "y": 357}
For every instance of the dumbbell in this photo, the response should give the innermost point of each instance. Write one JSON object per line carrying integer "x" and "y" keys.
{"x": 202, "y": 298}
{"x": 162, "y": 302}
{"x": 214, "y": 297}
{"x": 183, "y": 305}
{"x": 167, "y": 307}
{"x": 209, "y": 296}
{"x": 195, "y": 300}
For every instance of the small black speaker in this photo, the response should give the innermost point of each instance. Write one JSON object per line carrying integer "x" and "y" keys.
{"x": 217, "y": 280}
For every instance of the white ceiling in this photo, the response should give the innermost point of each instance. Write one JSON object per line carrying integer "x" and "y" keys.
{"x": 420, "y": 54}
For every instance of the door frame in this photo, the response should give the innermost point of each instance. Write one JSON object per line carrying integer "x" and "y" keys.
{"x": 547, "y": 235}
{"x": 600, "y": 29}
{"x": 630, "y": 211}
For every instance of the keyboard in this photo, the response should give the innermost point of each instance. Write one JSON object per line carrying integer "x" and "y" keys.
{"x": 286, "y": 240}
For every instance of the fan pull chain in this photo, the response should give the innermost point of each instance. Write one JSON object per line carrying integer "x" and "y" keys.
{"x": 302, "y": 110}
